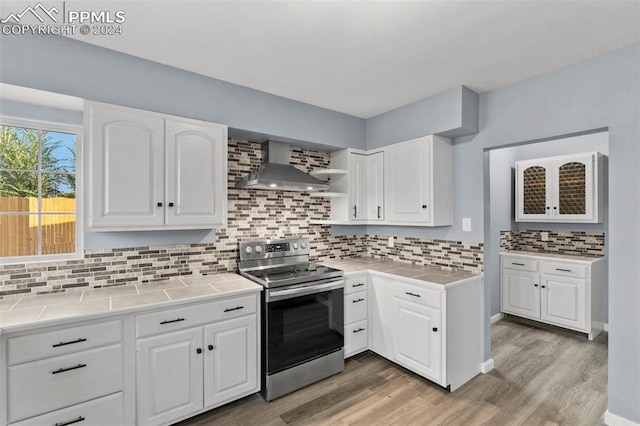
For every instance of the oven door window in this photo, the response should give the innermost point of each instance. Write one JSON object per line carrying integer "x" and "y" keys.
{"x": 303, "y": 328}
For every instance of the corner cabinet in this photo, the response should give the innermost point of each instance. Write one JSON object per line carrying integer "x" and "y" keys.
{"x": 560, "y": 189}
{"x": 560, "y": 291}
{"x": 149, "y": 171}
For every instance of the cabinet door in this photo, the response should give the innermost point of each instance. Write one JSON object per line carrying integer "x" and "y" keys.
{"x": 125, "y": 167}
{"x": 381, "y": 315}
{"x": 521, "y": 293}
{"x": 533, "y": 190}
{"x": 169, "y": 374}
{"x": 418, "y": 338}
{"x": 573, "y": 189}
{"x": 357, "y": 186}
{"x": 407, "y": 182}
{"x": 196, "y": 177}
{"x": 231, "y": 362}
{"x": 375, "y": 188}
{"x": 564, "y": 301}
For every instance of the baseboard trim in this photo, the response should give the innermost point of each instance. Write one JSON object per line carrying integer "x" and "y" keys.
{"x": 486, "y": 366}
{"x": 497, "y": 317}
{"x": 611, "y": 419}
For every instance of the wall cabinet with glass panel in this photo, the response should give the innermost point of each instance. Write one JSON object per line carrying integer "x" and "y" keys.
{"x": 567, "y": 188}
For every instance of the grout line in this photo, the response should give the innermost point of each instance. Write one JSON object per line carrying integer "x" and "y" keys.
{"x": 15, "y": 303}
{"x": 110, "y": 304}
{"x": 81, "y": 296}
{"x": 165, "y": 292}
{"x": 41, "y": 312}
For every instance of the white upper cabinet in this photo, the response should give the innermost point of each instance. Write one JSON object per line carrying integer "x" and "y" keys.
{"x": 375, "y": 186}
{"x": 418, "y": 180}
{"x": 560, "y": 189}
{"x": 358, "y": 186}
{"x": 149, "y": 171}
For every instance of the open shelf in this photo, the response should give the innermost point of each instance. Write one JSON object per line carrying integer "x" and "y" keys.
{"x": 327, "y": 222}
{"x": 328, "y": 194}
{"x": 328, "y": 172}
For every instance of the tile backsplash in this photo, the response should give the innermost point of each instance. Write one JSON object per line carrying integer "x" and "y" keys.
{"x": 252, "y": 214}
{"x": 562, "y": 242}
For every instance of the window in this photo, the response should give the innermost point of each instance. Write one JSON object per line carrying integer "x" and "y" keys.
{"x": 38, "y": 185}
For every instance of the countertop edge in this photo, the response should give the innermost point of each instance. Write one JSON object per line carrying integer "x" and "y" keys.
{"x": 553, "y": 256}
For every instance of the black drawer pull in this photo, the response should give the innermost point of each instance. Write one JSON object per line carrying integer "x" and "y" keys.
{"x": 80, "y": 340}
{"x": 563, "y": 270}
{"x": 535, "y": 285}
{"x": 171, "y": 321}
{"x": 234, "y": 309}
{"x": 62, "y": 370}
{"x": 357, "y": 285}
{"x": 211, "y": 347}
{"x": 358, "y": 330}
{"x": 358, "y": 300}
{"x": 70, "y": 422}
{"x": 170, "y": 204}
{"x": 435, "y": 329}
{"x": 159, "y": 204}
{"x": 411, "y": 294}
{"x": 198, "y": 350}
{"x": 517, "y": 264}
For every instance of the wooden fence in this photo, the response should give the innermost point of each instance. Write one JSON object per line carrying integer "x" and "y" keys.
{"x": 19, "y": 233}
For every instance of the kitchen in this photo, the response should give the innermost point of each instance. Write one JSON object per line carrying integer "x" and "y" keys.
{"x": 504, "y": 117}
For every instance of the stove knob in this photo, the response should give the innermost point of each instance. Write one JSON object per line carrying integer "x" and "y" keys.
{"x": 258, "y": 249}
{"x": 248, "y": 250}
{"x": 295, "y": 246}
{"x": 303, "y": 245}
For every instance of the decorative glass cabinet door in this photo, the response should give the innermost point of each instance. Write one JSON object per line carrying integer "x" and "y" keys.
{"x": 534, "y": 196}
{"x": 573, "y": 195}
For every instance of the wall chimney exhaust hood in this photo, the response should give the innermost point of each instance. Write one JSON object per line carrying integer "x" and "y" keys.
{"x": 275, "y": 172}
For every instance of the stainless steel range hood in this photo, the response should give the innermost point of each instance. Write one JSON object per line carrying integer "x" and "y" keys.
{"x": 275, "y": 172}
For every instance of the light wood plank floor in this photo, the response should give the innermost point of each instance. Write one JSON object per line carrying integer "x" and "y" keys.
{"x": 542, "y": 376}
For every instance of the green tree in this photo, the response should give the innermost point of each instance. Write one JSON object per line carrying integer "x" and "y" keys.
{"x": 19, "y": 149}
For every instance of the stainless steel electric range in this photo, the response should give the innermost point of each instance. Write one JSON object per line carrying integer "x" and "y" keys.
{"x": 302, "y": 314}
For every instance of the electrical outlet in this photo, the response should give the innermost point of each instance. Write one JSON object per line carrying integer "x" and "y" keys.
{"x": 390, "y": 243}
{"x": 544, "y": 236}
{"x": 466, "y": 224}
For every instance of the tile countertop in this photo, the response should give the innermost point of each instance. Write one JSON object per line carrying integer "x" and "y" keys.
{"x": 551, "y": 256}
{"x": 46, "y": 309}
{"x": 432, "y": 274}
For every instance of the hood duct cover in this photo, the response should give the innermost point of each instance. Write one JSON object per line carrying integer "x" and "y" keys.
{"x": 275, "y": 172}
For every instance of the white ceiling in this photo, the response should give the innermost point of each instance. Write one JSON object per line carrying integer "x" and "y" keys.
{"x": 363, "y": 57}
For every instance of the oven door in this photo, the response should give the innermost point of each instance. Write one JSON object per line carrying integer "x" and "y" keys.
{"x": 302, "y": 323}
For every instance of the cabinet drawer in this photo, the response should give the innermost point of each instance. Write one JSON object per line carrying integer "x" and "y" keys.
{"x": 356, "y": 337}
{"x": 102, "y": 411}
{"x": 564, "y": 269}
{"x": 520, "y": 263}
{"x": 355, "y": 307}
{"x": 355, "y": 283}
{"x": 61, "y": 342}
{"x": 418, "y": 294}
{"x": 193, "y": 315}
{"x": 42, "y": 386}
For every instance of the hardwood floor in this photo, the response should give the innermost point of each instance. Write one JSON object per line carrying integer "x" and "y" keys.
{"x": 542, "y": 377}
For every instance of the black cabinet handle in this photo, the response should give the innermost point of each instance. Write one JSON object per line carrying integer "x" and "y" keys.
{"x": 379, "y": 215}
{"x": 555, "y": 208}
{"x": 517, "y": 264}
{"x": 80, "y": 340}
{"x": 355, "y": 209}
{"x": 234, "y": 309}
{"x": 170, "y": 204}
{"x": 357, "y": 285}
{"x": 535, "y": 285}
{"x": 435, "y": 329}
{"x": 199, "y": 350}
{"x": 358, "y": 300}
{"x": 548, "y": 208}
{"x": 563, "y": 270}
{"x": 543, "y": 286}
{"x": 358, "y": 330}
{"x": 211, "y": 347}
{"x": 424, "y": 206}
{"x": 70, "y": 422}
{"x": 411, "y": 294}
{"x": 159, "y": 204}
{"x": 62, "y": 370}
{"x": 172, "y": 321}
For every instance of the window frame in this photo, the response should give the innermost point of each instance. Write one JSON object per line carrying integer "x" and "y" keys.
{"x": 61, "y": 128}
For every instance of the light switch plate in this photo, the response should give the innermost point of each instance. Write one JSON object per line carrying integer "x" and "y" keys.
{"x": 544, "y": 236}
{"x": 466, "y": 224}
{"x": 390, "y": 243}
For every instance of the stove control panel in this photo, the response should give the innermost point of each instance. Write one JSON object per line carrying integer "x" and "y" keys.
{"x": 265, "y": 249}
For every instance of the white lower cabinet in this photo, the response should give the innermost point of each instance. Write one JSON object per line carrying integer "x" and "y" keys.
{"x": 432, "y": 330}
{"x": 356, "y": 307}
{"x": 560, "y": 291}
{"x": 183, "y": 372}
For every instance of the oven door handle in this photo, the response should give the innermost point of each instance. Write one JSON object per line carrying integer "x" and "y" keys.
{"x": 275, "y": 295}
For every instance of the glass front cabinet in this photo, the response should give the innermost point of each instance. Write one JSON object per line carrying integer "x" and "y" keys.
{"x": 560, "y": 189}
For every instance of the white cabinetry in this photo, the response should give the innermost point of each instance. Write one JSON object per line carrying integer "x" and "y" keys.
{"x": 152, "y": 171}
{"x": 418, "y": 182}
{"x": 561, "y": 292}
{"x": 560, "y": 189}
{"x": 207, "y": 356}
{"x": 356, "y": 303}
{"x": 433, "y": 330}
